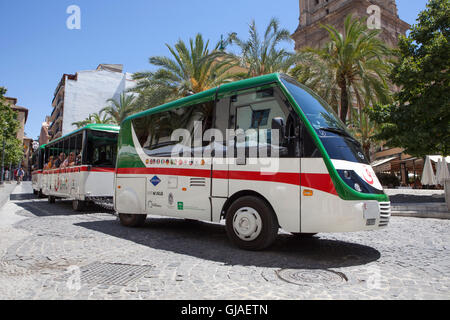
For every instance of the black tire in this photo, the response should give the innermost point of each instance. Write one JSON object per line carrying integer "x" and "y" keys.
{"x": 304, "y": 235}
{"x": 132, "y": 220}
{"x": 78, "y": 205}
{"x": 51, "y": 199}
{"x": 40, "y": 194}
{"x": 269, "y": 224}
{"x": 35, "y": 192}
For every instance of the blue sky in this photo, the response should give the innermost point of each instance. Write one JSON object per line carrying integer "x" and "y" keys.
{"x": 37, "y": 48}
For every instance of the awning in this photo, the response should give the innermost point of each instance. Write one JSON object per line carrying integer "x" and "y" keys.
{"x": 381, "y": 162}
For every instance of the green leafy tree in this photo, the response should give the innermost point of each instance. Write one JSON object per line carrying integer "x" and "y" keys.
{"x": 262, "y": 55}
{"x": 419, "y": 120}
{"x": 8, "y": 132}
{"x": 352, "y": 67}
{"x": 190, "y": 69}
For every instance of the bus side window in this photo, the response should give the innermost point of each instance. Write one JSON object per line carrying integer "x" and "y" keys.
{"x": 254, "y": 113}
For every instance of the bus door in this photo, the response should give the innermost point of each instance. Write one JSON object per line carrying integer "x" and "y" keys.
{"x": 266, "y": 149}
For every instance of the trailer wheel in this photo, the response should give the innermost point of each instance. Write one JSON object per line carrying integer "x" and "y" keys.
{"x": 251, "y": 224}
{"x": 78, "y": 205}
{"x": 51, "y": 199}
{"x": 132, "y": 220}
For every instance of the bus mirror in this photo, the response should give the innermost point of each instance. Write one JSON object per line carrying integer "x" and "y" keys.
{"x": 278, "y": 124}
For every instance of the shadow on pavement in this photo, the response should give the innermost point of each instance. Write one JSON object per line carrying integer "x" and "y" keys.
{"x": 209, "y": 241}
{"x": 41, "y": 208}
{"x": 21, "y": 196}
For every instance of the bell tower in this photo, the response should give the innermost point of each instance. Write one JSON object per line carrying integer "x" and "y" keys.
{"x": 313, "y": 13}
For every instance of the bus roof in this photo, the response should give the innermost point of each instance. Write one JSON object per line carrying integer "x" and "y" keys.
{"x": 92, "y": 126}
{"x": 209, "y": 94}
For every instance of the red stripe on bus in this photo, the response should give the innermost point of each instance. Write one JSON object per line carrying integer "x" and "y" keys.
{"x": 78, "y": 169}
{"x": 320, "y": 182}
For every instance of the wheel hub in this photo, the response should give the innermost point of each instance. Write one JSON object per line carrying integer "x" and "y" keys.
{"x": 247, "y": 224}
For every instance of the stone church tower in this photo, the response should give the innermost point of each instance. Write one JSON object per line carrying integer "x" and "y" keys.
{"x": 313, "y": 13}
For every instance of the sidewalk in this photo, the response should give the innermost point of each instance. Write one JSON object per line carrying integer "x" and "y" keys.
{"x": 5, "y": 192}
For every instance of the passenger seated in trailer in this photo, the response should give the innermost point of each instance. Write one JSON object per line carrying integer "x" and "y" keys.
{"x": 49, "y": 164}
{"x": 60, "y": 160}
{"x": 70, "y": 161}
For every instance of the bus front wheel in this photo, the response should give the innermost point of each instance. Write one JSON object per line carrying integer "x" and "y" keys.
{"x": 132, "y": 220}
{"x": 251, "y": 224}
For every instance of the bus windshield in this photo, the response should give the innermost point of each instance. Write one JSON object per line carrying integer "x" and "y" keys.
{"x": 318, "y": 112}
{"x": 333, "y": 133}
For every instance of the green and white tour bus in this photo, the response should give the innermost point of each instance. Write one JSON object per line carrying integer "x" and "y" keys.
{"x": 87, "y": 172}
{"x": 263, "y": 154}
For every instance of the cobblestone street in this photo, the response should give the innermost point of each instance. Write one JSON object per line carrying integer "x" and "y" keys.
{"x": 47, "y": 252}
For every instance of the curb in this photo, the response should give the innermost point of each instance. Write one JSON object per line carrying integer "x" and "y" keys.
{"x": 421, "y": 210}
{"x": 418, "y": 214}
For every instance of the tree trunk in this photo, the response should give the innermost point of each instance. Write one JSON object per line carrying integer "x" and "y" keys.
{"x": 344, "y": 100}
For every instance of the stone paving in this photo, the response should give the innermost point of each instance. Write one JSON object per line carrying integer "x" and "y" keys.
{"x": 46, "y": 249}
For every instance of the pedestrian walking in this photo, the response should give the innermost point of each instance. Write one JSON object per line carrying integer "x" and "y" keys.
{"x": 20, "y": 175}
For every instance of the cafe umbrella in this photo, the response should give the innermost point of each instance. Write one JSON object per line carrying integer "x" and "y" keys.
{"x": 428, "y": 177}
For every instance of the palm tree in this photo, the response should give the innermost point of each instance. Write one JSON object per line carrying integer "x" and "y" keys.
{"x": 261, "y": 55}
{"x": 191, "y": 69}
{"x": 83, "y": 123}
{"x": 101, "y": 117}
{"x": 357, "y": 64}
{"x": 94, "y": 118}
{"x": 364, "y": 130}
{"x": 118, "y": 110}
{"x": 315, "y": 73}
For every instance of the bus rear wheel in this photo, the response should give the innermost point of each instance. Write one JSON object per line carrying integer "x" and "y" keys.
{"x": 251, "y": 224}
{"x": 132, "y": 220}
{"x": 78, "y": 205}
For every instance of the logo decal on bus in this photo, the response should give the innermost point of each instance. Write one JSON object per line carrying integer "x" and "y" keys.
{"x": 155, "y": 181}
{"x": 368, "y": 177}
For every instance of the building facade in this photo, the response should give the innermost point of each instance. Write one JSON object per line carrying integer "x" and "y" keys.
{"x": 314, "y": 13}
{"x": 81, "y": 94}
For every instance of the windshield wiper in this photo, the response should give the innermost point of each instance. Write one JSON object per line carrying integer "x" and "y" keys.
{"x": 342, "y": 132}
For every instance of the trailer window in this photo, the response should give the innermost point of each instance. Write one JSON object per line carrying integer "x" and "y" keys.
{"x": 155, "y": 132}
